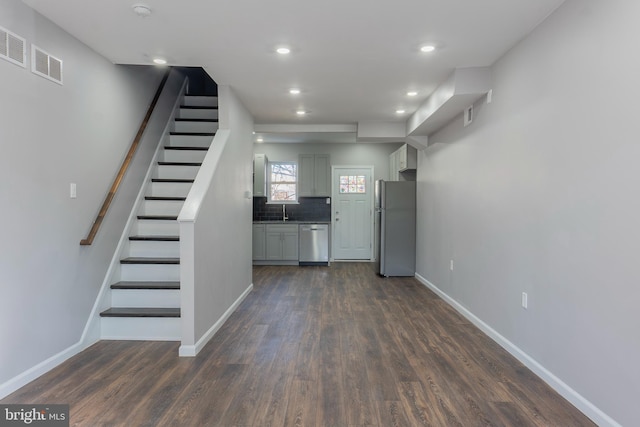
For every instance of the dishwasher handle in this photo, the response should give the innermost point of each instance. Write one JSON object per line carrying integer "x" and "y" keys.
{"x": 313, "y": 228}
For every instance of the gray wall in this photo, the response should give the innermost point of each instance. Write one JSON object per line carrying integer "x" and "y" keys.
{"x": 376, "y": 154}
{"x": 539, "y": 195}
{"x": 223, "y": 268}
{"x": 53, "y": 135}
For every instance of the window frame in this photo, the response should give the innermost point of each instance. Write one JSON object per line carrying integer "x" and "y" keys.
{"x": 270, "y": 200}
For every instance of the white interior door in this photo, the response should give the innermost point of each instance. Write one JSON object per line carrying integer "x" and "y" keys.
{"x": 352, "y": 212}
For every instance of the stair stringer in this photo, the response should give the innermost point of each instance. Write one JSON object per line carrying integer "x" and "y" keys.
{"x": 93, "y": 330}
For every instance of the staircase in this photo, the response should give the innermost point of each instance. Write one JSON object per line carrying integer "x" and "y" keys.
{"x": 145, "y": 295}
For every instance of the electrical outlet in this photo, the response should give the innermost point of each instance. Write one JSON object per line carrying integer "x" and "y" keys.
{"x": 451, "y": 265}
{"x": 525, "y": 300}
{"x": 72, "y": 190}
{"x": 490, "y": 96}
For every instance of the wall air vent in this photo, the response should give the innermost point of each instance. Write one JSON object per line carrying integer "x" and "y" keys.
{"x": 46, "y": 65}
{"x": 13, "y": 48}
{"x": 468, "y": 115}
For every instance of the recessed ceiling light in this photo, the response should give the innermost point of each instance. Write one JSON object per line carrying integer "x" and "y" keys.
{"x": 141, "y": 10}
{"x": 294, "y": 91}
{"x": 400, "y": 111}
{"x": 283, "y": 50}
{"x": 301, "y": 112}
{"x": 427, "y": 48}
{"x": 412, "y": 93}
{"x": 260, "y": 139}
{"x": 159, "y": 61}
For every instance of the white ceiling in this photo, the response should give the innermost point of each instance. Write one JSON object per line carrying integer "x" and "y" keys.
{"x": 354, "y": 60}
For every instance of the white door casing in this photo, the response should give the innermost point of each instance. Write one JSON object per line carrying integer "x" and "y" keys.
{"x": 352, "y": 214}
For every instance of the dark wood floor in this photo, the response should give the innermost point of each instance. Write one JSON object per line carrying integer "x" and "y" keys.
{"x": 312, "y": 346}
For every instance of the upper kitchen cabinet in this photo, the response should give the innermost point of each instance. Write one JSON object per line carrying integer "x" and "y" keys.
{"x": 260, "y": 175}
{"x": 314, "y": 175}
{"x": 407, "y": 158}
{"x": 394, "y": 170}
{"x": 404, "y": 159}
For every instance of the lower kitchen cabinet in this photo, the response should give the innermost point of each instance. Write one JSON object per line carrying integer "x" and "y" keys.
{"x": 275, "y": 243}
{"x": 259, "y": 242}
{"x": 282, "y": 242}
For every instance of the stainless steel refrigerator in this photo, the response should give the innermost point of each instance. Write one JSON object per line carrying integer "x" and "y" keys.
{"x": 395, "y": 203}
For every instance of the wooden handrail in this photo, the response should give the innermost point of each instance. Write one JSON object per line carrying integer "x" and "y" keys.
{"x": 125, "y": 165}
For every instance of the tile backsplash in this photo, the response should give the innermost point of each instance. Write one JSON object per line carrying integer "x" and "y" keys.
{"x": 308, "y": 209}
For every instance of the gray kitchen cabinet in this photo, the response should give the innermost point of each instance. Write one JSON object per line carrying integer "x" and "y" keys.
{"x": 259, "y": 242}
{"x": 404, "y": 159}
{"x": 394, "y": 171}
{"x": 314, "y": 171}
{"x": 407, "y": 158}
{"x": 281, "y": 242}
{"x": 260, "y": 163}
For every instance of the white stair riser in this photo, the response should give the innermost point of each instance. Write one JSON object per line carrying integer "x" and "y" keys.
{"x": 141, "y": 328}
{"x": 160, "y": 228}
{"x": 200, "y": 101}
{"x": 159, "y": 249}
{"x": 176, "y": 172}
{"x": 169, "y": 189}
{"x": 183, "y": 156}
{"x": 190, "y": 141}
{"x": 197, "y": 113}
{"x": 150, "y": 272}
{"x": 161, "y": 207}
{"x": 208, "y": 127}
{"x": 152, "y": 298}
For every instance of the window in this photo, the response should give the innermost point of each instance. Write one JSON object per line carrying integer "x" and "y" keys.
{"x": 283, "y": 182}
{"x": 352, "y": 184}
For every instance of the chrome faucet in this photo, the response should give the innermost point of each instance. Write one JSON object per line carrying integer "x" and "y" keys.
{"x": 284, "y": 213}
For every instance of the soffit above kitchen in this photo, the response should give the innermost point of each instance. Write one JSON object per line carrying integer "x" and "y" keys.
{"x": 353, "y": 61}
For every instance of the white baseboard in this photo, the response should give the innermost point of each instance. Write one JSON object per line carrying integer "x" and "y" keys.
{"x": 40, "y": 369}
{"x": 193, "y": 350}
{"x": 586, "y": 407}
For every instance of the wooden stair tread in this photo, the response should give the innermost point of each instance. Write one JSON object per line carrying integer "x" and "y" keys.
{"x": 149, "y": 260}
{"x": 198, "y": 164}
{"x": 159, "y": 217}
{"x": 141, "y": 312}
{"x": 155, "y": 238}
{"x": 197, "y": 120}
{"x": 171, "y": 147}
{"x": 146, "y": 285}
{"x": 166, "y": 198}
{"x": 199, "y": 107}
{"x": 175, "y": 180}
{"x": 192, "y": 133}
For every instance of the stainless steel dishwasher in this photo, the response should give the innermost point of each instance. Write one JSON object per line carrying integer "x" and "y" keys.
{"x": 314, "y": 244}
